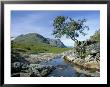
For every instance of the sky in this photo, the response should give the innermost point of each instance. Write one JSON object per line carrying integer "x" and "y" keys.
{"x": 23, "y": 22}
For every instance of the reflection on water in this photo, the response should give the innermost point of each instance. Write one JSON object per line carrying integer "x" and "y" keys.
{"x": 63, "y": 68}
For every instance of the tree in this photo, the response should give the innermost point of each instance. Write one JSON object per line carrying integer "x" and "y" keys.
{"x": 69, "y": 27}
{"x": 96, "y": 36}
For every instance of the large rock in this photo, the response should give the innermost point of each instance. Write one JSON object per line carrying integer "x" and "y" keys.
{"x": 18, "y": 67}
{"x": 38, "y": 70}
{"x": 91, "y": 72}
{"x": 16, "y": 64}
{"x": 92, "y": 65}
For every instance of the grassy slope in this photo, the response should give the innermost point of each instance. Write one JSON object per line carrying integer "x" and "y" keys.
{"x": 35, "y": 43}
{"x": 38, "y": 48}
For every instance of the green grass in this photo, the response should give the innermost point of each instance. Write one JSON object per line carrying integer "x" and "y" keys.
{"x": 38, "y": 48}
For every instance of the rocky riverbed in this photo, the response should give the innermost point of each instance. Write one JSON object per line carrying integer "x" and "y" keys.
{"x": 48, "y": 64}
{"x": 34, "y": 58}
{"x": 30, "y": 65}
{"x": 33, "y": 70}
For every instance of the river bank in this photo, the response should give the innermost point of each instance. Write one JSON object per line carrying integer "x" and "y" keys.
{"x": 48, "y": 65}
{"x": 88, "y": 65}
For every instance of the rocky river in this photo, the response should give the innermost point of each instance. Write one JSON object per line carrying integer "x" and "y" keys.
{"x": 50, "y": 65}
{"x": 62, "y": 68}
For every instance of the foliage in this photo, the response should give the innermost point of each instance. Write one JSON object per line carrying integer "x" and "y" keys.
{"x": 80, "y": 49}
{"x": 96, "y": 36}
{"x": 69, "y": 27}
{"x": 84, "y": 48}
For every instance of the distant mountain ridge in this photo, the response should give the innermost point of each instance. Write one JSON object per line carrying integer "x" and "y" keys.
{"x": 56, "y": 42}
{"x": 35, "y": 38}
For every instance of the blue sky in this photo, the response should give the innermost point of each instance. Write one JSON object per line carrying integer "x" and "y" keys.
{"x": 23, "y": 22}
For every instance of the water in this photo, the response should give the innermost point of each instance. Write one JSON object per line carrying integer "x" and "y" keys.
{"x": 63, "y": 69}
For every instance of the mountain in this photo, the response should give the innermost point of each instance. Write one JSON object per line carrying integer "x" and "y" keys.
{"x": 56, "y": 42}
{"x": 35, "y": 38}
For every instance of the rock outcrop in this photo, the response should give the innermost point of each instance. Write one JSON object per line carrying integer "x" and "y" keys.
{"x": 56, "y": 42}
{"x": 90, "y": 58}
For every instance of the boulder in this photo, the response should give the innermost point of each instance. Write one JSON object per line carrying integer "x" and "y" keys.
{"x": 38, "y": 70}
{"x": 44, "y": 72}
{"x": 16, "y": 65}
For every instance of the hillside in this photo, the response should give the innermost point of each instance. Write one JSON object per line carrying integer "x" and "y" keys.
{"x": 36, "y": 43}
{"x": 31, "y": 38}
{"x": 34, "y": 38}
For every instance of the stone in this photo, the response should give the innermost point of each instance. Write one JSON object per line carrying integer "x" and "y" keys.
{"x": 25, "y": 66}
{"x": 45, "y": 72}
{"x": 25, "y": 74}
{"x": 40, "y": 70}
{"x": 16, "y": 64}
{"x": 89, "y": 58}
{"x": 69, "y": 58}
{"x": 35, "y": 73}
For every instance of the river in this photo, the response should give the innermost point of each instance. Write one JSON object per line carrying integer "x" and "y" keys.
{"x": 63, "y": 69}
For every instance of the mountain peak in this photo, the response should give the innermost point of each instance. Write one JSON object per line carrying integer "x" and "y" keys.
{"x": 35, "y": 38}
